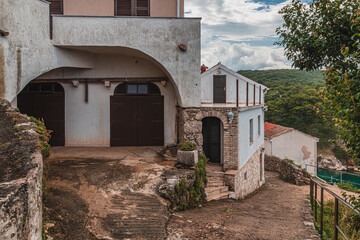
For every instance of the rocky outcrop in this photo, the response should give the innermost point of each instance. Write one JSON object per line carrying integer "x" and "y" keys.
{"x": 288, "y": 171}
{"x": 331, "y": 162}
{"x": 21, "y": 169}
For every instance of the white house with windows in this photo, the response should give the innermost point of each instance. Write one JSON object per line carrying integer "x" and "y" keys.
{"x": 127, "y": 73}
{"x": 232, "y": 133}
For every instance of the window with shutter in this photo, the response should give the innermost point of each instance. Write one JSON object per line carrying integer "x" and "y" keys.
{"x": 132, "y": 8}
{"x": 219, "y": 89}
{"x": 56, "y": 7}
{"x": 142, "y": 8}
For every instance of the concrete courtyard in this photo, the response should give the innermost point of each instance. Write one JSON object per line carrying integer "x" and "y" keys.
{"x": 110, "y": 193}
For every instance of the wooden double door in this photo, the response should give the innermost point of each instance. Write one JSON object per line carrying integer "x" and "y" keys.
{"x": 136, "y": 120}
{"x": 46, "y": 101}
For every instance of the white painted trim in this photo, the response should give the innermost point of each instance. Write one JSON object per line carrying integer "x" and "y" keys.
{"x": 178, "y": 8}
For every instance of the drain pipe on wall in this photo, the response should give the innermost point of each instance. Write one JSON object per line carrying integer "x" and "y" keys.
{"x": 178, "y": 8}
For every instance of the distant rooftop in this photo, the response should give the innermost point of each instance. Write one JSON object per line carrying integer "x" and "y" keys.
{"x": 273, "y": 130}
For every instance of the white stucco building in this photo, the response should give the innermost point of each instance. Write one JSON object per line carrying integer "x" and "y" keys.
{"x": 289, "y": 143}
{"x": 127, "y": 73}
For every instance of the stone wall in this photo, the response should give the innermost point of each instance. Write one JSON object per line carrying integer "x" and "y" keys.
{"x": 190, "y": 129}
{"x": 247, "y": 179}
{"x": 288, "y": 171}
{"x": 21, "y": 169}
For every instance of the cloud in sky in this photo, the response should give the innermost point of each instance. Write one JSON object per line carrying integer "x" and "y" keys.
{"x": 240, "y": 33}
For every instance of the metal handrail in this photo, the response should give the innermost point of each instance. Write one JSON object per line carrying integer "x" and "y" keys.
{"x": 313, "y": 196}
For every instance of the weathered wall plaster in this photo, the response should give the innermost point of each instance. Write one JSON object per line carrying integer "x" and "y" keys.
{"x": 294, "y": 145}
{"x": 88, "y": 124}
{"x": 157, "y": 38}
{"x": 21, "y": 169}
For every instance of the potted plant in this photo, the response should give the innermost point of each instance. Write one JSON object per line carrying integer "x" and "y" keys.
{"x": 187, "y": 154}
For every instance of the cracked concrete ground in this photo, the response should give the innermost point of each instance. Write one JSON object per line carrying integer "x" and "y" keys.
{"x": 109, "y": 193}
{"x": 105, "y": 193}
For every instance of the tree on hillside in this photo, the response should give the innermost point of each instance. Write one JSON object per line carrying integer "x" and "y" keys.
{"x": 326, "y": 34}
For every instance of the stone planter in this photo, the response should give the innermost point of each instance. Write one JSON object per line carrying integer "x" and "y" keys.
{"x": 188, "y": 158}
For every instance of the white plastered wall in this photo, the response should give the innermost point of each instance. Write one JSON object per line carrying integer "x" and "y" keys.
{"x": 88, "y": 123}
{"x": 246, "y": 149}
{"x": 207, "y": 90}
{"x": 296, "y": 146}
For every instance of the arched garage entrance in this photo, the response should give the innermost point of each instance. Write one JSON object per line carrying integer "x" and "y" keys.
{"x": 212, "y": 139}
{"x": 137, "y": 115}
{"x": 45, "y": 101}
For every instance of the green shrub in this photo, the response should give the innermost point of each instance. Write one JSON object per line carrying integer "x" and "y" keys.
{"x": 349, "y": 221}
{"x": 348, "y": 187}
{"x": 44, "y": 136}
{"x": 292, "y": 162}
{"x": 341, "y": 154}
{"x": 186, "y": 197}
{"x": 187, "y": 146}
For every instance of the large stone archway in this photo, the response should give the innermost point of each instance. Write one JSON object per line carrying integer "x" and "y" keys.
{"x": 190, "y": 129}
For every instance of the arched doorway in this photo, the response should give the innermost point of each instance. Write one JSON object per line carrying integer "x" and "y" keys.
{"x": 137, "y": 115}
{"x": 212, "y": 139}
{"x": 45, "y": 101}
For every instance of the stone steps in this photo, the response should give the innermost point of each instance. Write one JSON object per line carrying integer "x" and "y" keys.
{"x": 214, "y": 167}
{"x": 216, "y": 188}
{"x": 216, "y": 174}
{"x": 222, "y": 195}
{"x": 215, "y": 182}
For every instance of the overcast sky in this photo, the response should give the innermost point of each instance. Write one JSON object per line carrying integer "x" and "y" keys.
{"x": 239, "y": 33}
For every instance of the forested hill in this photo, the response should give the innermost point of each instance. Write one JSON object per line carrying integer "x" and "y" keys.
{"x": 292, "y": 99}
{"x": 284, "y": 77}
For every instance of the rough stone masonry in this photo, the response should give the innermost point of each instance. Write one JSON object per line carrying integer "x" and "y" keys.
{"x": 21, "y": 169}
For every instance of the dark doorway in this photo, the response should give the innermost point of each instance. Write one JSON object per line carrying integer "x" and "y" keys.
{"x": 45, "y": 101}
{"x": 211, "y": 130}
{"x": 137, "y": 116}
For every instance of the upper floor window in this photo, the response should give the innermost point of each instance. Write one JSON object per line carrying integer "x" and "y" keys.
{"x": 251, "y": 131}
{"x": 259, "y": 125}
{"x": 132, "y": 8}
{"x": 219, "y": 89}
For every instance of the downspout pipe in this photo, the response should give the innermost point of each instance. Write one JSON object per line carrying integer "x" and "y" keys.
{"x": 178, "y": 8}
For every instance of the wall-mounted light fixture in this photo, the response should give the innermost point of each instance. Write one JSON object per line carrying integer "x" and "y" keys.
{"x": 75, "y": 83}
{"x": 230, "y": 116}
{"x": 107, "y": 83}
{"x": 163, "y": 82}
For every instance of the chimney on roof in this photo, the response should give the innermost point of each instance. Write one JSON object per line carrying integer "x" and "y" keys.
{"x": 203, "y": 68}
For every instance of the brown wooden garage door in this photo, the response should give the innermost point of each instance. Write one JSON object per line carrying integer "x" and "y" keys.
{"x": 46, "y": 101}
{"x": 136, "y": 120}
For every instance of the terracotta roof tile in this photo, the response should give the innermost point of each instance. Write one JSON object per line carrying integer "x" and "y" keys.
{"x": 273, "y": 130}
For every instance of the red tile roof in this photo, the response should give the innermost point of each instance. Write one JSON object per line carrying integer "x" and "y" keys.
{"x": 273, "y": 130}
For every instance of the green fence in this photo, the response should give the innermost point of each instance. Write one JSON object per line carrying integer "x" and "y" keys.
{"x": 333, "y": 176}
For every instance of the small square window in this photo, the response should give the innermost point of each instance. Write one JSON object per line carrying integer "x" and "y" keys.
{"x": 132, "y": 88}
{"x": 142, "y": 89}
